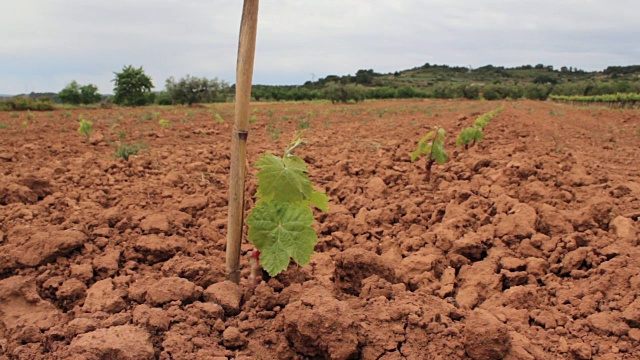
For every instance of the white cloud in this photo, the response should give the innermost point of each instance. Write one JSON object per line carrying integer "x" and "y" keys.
{"x": 46, "y": 44}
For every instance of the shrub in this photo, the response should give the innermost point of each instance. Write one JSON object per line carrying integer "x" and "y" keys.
{"x": 537, "y": 91}
{"x": 163, "y": 98}
{"x": 344, "y": 93}
{"x": 192, "y": 90}
{"x": 24, "y": 103}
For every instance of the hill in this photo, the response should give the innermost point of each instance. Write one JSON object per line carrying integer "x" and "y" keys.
{"x": 535, "y": 82}
{"x": 429, "y": 75}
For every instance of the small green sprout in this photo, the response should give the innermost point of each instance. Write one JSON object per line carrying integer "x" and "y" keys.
{"x": 86, "y": 128}
{"x": 432, "y": 145}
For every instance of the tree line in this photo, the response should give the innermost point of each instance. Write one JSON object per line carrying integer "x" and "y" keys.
{"x": 133, "y": 87}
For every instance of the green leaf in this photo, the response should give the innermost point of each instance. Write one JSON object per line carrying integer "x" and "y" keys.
{"x": 427, "y": 137}
{"x": 423, "y": 148}
{"x": 282, "y": 231}
{"x": 437, "y": 153}
{"x": 319, "y": 200}
{"x": 478, "y": 135}
{"x": 283, "y": 179}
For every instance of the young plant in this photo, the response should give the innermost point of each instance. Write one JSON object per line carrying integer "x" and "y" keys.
{"x": 280, "y": 223}
{"x": 253, "y": 119}
{"x": 219, "y": 119}
{"x": 432, "y": 145}
{"x": 274, "y": 131}
{"x": 164, "y": 123}
{"x": 469, "y": 136}
{"x": 483, "y": 120}
{"x": 304, "y": 124}
{"x": 86, "y": 128}
{"x": 125, "y": 150}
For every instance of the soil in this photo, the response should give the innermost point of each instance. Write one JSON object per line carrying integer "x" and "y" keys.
{"x": 525, "y": 246}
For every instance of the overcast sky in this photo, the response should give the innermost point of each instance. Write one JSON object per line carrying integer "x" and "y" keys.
{"x": 48, "y": 43}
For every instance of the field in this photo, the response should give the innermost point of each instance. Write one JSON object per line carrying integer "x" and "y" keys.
{"x": 525, "y": 246}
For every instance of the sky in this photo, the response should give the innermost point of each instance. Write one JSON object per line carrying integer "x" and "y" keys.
{"x": 46, "y": 44}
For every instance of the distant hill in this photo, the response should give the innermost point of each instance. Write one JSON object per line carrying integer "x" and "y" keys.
{"x": 536, "y": 82}
{"x": 429, "y": 75}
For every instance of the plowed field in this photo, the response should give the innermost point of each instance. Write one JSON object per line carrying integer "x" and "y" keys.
{"x": 525, "y": 246}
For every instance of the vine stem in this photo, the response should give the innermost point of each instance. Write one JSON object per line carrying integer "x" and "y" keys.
{"x": 430, "y": 160}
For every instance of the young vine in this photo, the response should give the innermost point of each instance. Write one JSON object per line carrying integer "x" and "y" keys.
{"x": 432, "y": 145}
{"x": 280, "y": 222}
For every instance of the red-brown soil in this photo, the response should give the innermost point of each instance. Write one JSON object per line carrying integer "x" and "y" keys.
{"x": 523, "y": 247}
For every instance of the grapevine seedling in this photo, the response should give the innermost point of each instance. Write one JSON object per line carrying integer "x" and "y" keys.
{"x": 86, "y": 128}
{"x": 219, "y": 119}
{"x": 280, "y": 223}
{"x": 473, "y": 134}
{"x": 469, "y": 136}
{"x": 164, "y": 123}
{"x": 125, "y": 150}
{"x": 431, "y": 144}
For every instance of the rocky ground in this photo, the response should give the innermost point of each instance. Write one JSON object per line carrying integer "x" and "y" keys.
{"x": 523, "y": 247}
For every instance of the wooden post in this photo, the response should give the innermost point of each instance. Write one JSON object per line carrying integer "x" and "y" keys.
{"x": 244, "y": 74}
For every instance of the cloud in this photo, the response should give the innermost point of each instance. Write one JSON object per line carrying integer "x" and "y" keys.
{"x": 47, "y": 44}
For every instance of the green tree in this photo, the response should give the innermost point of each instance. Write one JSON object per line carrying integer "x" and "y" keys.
{"x": 191, "y": 90}
{"x": 70, "y": 94}
{"x": 76, "y": 94}
{"x": 89, "y": 94}
{"x": 132, "y": 87}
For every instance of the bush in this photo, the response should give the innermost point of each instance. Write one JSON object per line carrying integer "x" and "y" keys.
{"x": 132, "y": 87}
{"x": 492, "y": 92}
{"x": 192, "y": 90}
{"x": 344, "y": 93}
{"x": 163, "y": 98}
{"x": 24, "y": 103}
{"x": 381, "y": 93}
{"x": 408, "y": 92}
{"x": 471, "y": 92}
{"x": 537, "y": 91}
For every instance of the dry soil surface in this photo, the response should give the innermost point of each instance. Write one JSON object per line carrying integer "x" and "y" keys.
{"x": 525, "y": 246}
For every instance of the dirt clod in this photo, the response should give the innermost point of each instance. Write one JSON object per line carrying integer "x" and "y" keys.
{"x": 120, "y": 342}
{"x": 226, "y": 294}
{"x": 486, "y": 337}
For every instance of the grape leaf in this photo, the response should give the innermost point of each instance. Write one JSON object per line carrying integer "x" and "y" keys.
{"x": 319, "y": 200}
{"x": 427, "y": 137}
{"x": 468, "y": 135}
{"x": 437, "y": 152}
{"x": 422, "y": 149}
{"x": 282, "y": 231}
{"x": 283, "y": 179}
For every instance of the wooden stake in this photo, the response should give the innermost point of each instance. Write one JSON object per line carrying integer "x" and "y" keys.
{"x": 244, "y": 74}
